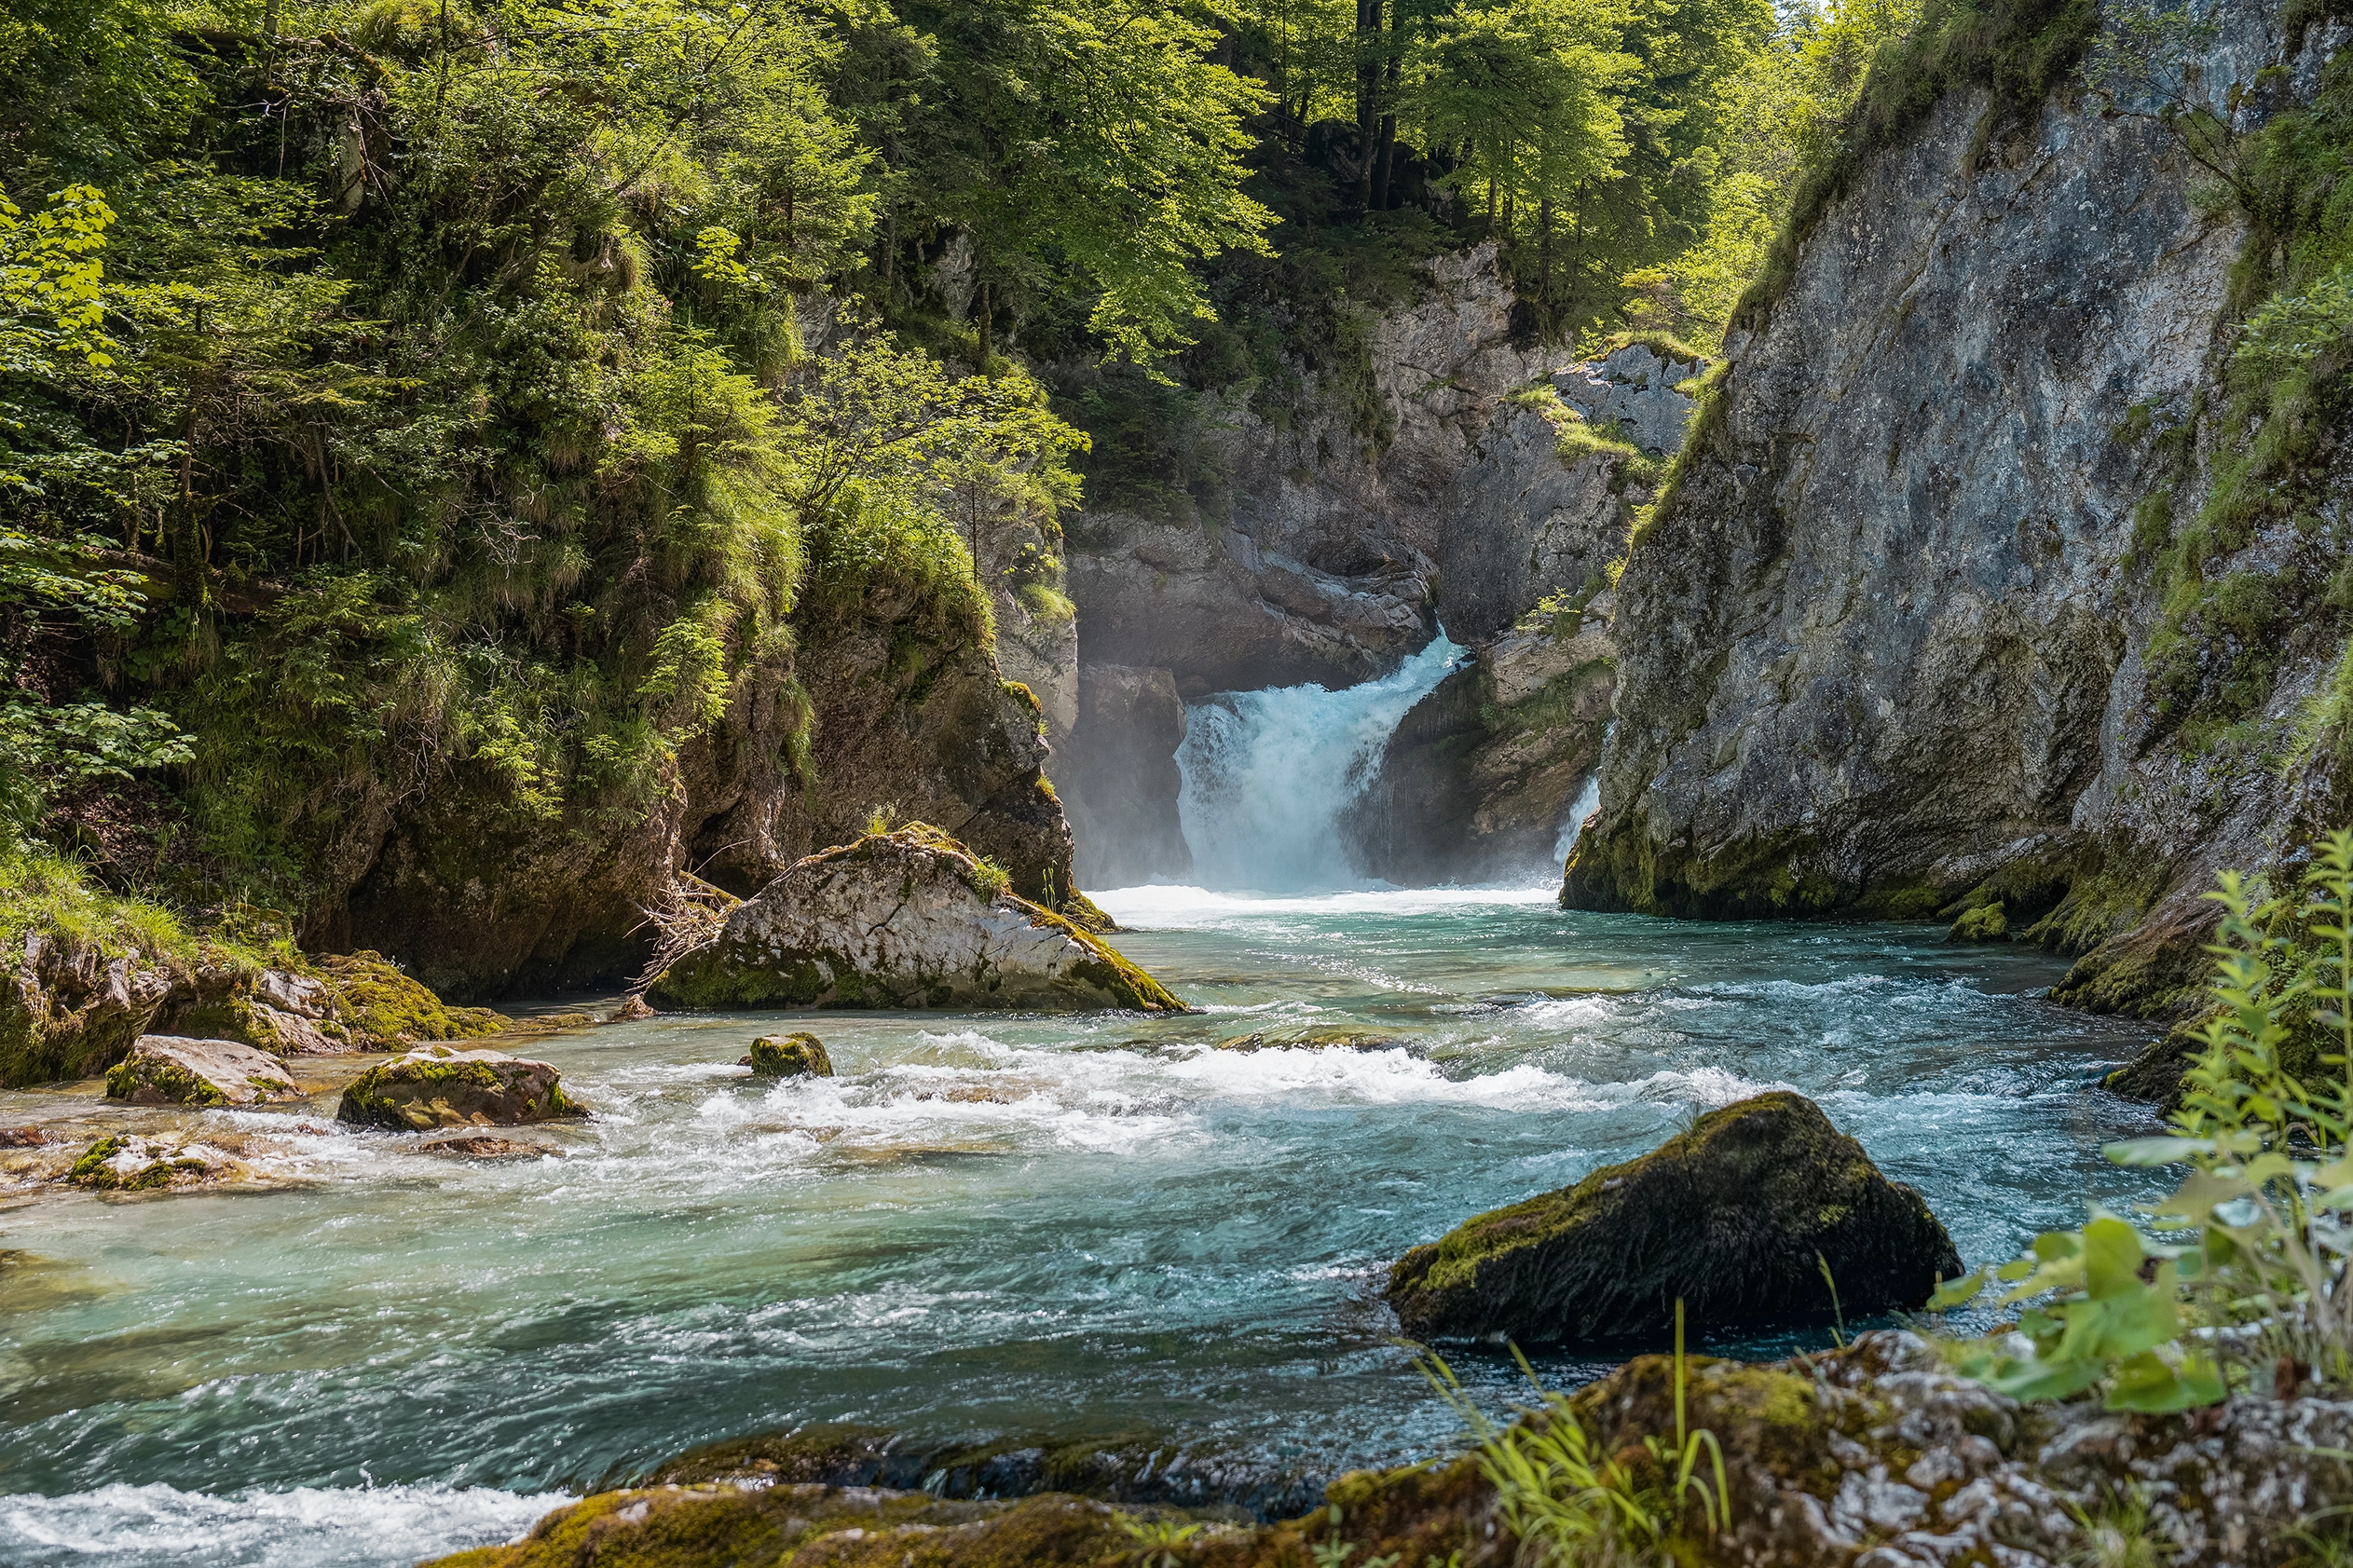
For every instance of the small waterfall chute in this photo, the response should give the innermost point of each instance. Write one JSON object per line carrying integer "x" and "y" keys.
{"x": 1265, "y": 774}
{"x": 1588, "y": 801}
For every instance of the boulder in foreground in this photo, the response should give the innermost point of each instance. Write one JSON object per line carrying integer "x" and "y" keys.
{"x": 445, "y": 1088}
{"x": 173, "y": 1070}
{"x": 904, "y": 919}
{"x": 789, "y": 1055}
{"x": 1729, "y": 1216}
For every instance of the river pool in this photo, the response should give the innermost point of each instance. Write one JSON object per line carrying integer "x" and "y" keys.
{"x": 984, "y": 1225}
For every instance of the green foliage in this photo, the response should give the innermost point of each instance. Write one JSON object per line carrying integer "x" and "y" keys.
{"x": 2260, "y": 1268}
{"x": 1568, "y": 1503}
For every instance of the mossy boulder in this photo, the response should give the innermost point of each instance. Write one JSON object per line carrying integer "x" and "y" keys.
{"x": 1730, "y": 1218}
{"x": 905, "y": 919}
{"x": 1987, "y": 922}
{"x": 448, "y": 1088}
{"x": 172, "y": 1070}
{"x": 788, "y": 1055}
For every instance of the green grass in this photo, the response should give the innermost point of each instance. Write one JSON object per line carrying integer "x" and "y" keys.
{"x": 44, "y": 893}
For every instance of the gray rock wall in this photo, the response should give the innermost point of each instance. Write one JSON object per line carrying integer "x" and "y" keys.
{"x": 1886, "y": 645}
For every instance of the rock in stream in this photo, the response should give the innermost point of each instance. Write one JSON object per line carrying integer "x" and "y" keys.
{"x": 905, "y": 919}
{"x": 1737, "y": 1217}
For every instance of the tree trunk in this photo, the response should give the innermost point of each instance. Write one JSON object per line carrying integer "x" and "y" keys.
{"x": 1389, "y": 69}
{"x": 1368, "y": 96}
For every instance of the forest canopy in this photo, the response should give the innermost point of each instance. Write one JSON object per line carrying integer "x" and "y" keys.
{"x": 396, "y": 387}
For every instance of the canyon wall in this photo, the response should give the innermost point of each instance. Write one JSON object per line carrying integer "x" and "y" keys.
{"x": 1344, "y": 553}
{"x": 1887, "y": 648}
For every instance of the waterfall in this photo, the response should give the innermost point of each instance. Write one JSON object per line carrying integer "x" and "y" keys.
{"x": 1265, "y": 774}
{"x": 1588, "y": 801}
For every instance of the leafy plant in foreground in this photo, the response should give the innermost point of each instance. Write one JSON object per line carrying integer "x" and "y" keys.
{"x": 2255, "y": 1291}
{"x": 1568, "y": 1502}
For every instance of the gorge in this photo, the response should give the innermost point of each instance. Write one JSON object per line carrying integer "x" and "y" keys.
{"x": 1514, "y": 730}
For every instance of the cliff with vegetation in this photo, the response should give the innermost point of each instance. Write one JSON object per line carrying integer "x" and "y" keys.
{"x": 2000, "y": 579}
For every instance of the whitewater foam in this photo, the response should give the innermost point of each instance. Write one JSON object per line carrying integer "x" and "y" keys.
{"x": 1264, "y": 775}
{"x": 301, "y": 1527}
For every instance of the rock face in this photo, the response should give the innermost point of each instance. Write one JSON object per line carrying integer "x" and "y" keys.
{"x": 172, "y": 1070}
{"x": 905, "y": 919}
{"x": 1729, "y": 1217}
{"x": 448, "y": 1088}
{"x": 71, "y": 1009}
{"x": 1120, "y": 785}
{"x": 1889, "y": 647}
{"x": 1875, "y": 1455}
{"x": 790, "y": 1055}
{"x": 1633, "y": 389}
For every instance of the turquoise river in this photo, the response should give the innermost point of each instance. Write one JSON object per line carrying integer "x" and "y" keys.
{"x": 985, "y": 1226}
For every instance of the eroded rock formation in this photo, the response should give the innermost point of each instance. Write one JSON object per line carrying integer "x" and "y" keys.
{"x": 1888, "y": 648}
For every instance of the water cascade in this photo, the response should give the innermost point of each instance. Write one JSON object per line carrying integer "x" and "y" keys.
{"x": 1588, "y": 801}
{"x": 1268, "y": 773}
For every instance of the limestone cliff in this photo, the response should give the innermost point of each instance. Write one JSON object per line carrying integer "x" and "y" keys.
{"x": 1344, "y": 552}
{"x": 1888, "y": 644}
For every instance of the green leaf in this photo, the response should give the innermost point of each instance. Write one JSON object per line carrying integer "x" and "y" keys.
{"x": 2154, "y": 1151}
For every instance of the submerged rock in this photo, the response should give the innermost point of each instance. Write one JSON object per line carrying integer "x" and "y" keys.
{"x": 1310, "y": 1040}
{"x": 905, "y": 919}
{"x": 125, "y": 1163}
{"x": 1736, "y": 1217}
{"x": 172, "y": 1070}
{"x": 790, "y": 1055}
{"x": 481, "y": 1146}
{"x": 446, "y": 1088}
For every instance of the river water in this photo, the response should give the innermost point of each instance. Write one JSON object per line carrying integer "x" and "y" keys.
{"x": 1070, "y": 1226}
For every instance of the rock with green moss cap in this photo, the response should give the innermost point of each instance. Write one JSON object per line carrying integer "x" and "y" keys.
{"x": 1736, "y": 1217}
{"x": 172, "y": 1070}
{"x": 442, "y": 1088}
{"x": 905, "y": 919}
{"x": 788, "y": 1055}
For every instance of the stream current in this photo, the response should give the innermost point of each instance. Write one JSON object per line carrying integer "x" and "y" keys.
{"x": 1073, "y": 1227}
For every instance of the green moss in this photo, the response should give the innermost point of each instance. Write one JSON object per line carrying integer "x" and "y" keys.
{"x": 791, "y": 1056}
{"x": 378, "y": 1008}
{"x": 1987, "y": 922}
{"x": 90, "y": 1167}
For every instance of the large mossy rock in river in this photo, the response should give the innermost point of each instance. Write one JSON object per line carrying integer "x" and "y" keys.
{"x": 170, "y": 1069}
{"x": 1735, "y": 1218}
{"x": 904, "y": 919}
{"x": 446, "y": 1088}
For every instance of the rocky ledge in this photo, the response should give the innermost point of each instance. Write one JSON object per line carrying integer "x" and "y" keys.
{"x": 72, "y": 1009}
{"x": 1871, "y": 1456}
{"x": 1737, "y": 1217}
{"x": 905, "y": 919}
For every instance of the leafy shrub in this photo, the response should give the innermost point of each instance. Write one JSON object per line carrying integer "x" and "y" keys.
{"x": 2252, "y": 1278}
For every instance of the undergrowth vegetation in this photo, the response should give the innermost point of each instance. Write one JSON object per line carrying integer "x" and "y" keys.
{"x": 2245, "y": 1288}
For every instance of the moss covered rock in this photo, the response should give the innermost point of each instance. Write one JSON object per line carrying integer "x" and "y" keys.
{"x": 905, "y": 919}
{"x": 789, "y": 1055}
{"x": 172, "y": 1070}
{"x": 1729, "y": 1216}
{"x": 448, "y": 1088}
{"x": 125, "y": 1163}
{"x": 1987, "y": 922}
{"x": 1326, "y": 1038}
